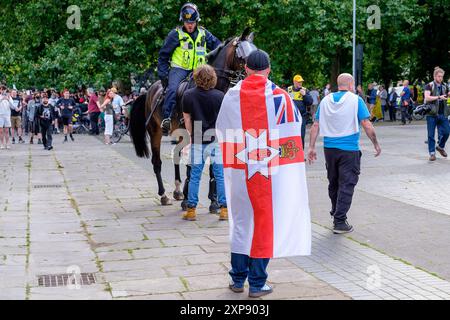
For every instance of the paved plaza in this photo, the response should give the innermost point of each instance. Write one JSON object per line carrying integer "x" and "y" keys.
{"x": 89, "y": 208}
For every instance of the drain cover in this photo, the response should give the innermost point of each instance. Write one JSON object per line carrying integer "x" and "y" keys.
{"x": 46, "y": 186}
{"x": 61, "y": 280}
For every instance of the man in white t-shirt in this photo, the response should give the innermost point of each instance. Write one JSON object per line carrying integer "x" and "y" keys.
{"x": 117, "y": 103}
{"x": 6, "y": 104}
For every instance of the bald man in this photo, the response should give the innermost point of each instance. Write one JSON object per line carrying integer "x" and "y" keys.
{"x": 338, "y": 120}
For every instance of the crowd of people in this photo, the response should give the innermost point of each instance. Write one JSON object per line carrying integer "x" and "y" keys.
{"x": 267, "y": 200}
{"x": 34, "y": 116}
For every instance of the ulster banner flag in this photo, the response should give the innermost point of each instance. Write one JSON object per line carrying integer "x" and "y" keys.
{"x": 259, "y": 130}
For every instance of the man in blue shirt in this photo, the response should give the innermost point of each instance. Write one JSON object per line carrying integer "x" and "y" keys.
{"x": 405, "y": 101}
{"x": 436, "y": 95}
{"x": 339, "y": 118}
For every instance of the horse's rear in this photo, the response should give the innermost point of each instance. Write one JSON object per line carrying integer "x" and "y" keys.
{"x": 146, "y": 118}
{"x": 139, "y": 122}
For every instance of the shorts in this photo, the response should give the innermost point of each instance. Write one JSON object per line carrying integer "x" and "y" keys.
{"x": 109, "y": 124}
{"x": 16, "y": 122}
{"x": 5, "y": 121}
{"x": 67, "y": 121}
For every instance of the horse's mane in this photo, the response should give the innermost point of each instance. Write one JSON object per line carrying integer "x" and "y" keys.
{"x": 212, "y": 56}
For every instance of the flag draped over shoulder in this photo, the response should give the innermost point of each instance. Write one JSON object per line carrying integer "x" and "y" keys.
{"x": 259, "y": 130}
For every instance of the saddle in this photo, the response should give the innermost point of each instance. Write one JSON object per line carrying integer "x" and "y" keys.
{"x": 177, "y": 112}
{"x": 186, "y": 84}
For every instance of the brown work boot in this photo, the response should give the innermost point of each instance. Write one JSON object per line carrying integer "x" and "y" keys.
{"x": 190, "y": 215}
{"x": 433, "y": 157}
{"x": 441, "y": 151}
{"x": 223, "y": 214}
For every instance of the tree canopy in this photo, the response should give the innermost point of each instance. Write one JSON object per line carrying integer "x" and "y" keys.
{"x": 310, "y": 37}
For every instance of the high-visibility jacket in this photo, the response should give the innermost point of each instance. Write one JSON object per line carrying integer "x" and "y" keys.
{"x": 190, "y": 54}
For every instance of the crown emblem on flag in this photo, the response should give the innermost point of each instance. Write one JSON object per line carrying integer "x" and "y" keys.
{"x": 289, "y": 150}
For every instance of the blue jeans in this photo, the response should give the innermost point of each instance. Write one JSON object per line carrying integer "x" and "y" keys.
{"x": 242, "y": 266}
{"x": 199, "y": 154}
{"x": 384, "y": 108}
{"x": 176, "y": 75}
{"x": 441, "y": 122}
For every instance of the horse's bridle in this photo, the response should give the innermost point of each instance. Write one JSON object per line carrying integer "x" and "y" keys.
{"x": 240, "y": 54}
{"x": 232, "y": 77}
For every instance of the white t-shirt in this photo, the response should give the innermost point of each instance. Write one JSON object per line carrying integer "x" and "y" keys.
{"x": 5, "y": 106}
{"x": 117, "y": 104}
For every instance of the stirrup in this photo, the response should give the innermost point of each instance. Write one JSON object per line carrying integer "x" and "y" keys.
{"x": 164, "y": 125}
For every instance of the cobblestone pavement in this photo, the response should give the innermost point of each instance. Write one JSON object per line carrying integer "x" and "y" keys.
{"x": 86, "y": 208}
{"x": 94, "y": 208}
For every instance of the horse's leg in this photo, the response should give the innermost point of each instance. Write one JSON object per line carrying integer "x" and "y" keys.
{"x": 178, "y": 194}
{"x": 212, "y": 195}
{"x": 155, "y": 141}
{"x": 186, "y": 188}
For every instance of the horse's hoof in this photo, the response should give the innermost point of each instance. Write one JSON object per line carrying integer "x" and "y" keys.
{"x": 165, "y": 201}
{"x": 184, "y": 206}
{"x": 214, "y": 207}
{"x": 178, "y": 195}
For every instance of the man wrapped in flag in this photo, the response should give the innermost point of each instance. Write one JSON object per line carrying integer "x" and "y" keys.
{"x": 259, "y": 130}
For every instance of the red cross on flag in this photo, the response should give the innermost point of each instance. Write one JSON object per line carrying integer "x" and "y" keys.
{"x": 264, "y": 170}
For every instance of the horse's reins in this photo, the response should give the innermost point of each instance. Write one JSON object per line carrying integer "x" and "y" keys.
{"x": 158, "y": 102}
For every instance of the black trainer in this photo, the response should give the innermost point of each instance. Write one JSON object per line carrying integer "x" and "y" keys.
{"x": 71, "y": 137}
{"x": 342, "y": 228}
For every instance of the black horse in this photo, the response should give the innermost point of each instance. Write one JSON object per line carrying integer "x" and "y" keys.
{"x": 146, "y": 115}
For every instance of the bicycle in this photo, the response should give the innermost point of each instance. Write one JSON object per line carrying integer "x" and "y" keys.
{"x": 80, "y": 122}
{"x": 121, "y": 129}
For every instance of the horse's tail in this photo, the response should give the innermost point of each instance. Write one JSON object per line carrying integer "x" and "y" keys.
{"x": 138, "y": 128}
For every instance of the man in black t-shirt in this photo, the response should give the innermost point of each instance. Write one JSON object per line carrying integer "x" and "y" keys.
{"x": 46, "y": 115}
{"x": 201, "y": 107}
{"x": 67, "y": 105}
{"x": 436, "y": 95}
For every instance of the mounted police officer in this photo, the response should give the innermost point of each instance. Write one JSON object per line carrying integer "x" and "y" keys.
{"x": 184, "y": 49}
